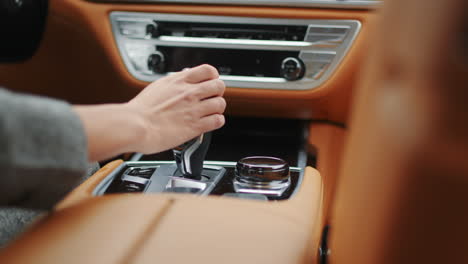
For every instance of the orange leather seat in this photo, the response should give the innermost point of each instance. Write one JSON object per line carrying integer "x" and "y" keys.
{"x": 402, "y": 196}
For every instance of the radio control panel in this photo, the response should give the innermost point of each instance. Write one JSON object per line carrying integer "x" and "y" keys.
{"x": 263, "y": 53}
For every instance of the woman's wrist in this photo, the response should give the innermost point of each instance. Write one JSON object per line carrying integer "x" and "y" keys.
{"x": 137, "y": 126}
{"x": 111, "y": 129}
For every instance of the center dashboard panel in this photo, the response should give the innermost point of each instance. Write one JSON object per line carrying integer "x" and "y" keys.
{"x": 261, "y": 53}
{"x": 322, "y": 49}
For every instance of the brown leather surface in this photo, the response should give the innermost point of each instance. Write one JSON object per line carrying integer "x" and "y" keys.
{"x": 402, "y": 194}
{"x": 327, "y": 141}
{"x": 85, "y": 190}
{"x": 103, "y": 230}
{"x": 175, "y": 228}
{"x": 227, "y": 230}
{"x": 78, "y": 61}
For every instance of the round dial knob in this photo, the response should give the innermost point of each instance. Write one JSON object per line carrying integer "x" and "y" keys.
{"x": 157, "y": 62}
{"x": 153, "y": 30}
{"x": 292, "y": 69}
{"x": 262, "y": 169}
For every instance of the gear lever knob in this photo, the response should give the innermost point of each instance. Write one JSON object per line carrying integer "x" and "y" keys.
{"x": 189, "y": 156}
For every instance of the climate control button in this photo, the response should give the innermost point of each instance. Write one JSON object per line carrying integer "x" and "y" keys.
{"x": 157, "y": 62}
{"x": 292, "y": 69}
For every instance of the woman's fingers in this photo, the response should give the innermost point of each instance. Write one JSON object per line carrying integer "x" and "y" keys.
{"x": 211, "y": 122}
{"x": 200, "y": 73}
{"x": 215, "y": 105}
{"x": 209, "y": 89}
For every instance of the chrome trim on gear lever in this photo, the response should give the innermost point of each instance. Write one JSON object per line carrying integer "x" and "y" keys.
{"x": 183, "y": 154}
{"x": 190, "y": 156}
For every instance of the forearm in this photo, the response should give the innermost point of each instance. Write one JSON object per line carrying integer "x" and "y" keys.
{"x": 111, "y": 129}
{"x": 43, "y": 150}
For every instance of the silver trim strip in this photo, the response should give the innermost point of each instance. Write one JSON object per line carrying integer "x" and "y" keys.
{"x": 339, "y": 4}
{"x": 187, "y": 154}
{"x": 232, "y": 43}
{"x": 206, "y": 164}
{"x": 134, "y": 179}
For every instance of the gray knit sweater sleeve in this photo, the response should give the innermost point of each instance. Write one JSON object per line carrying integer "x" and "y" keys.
{"x": 43, "y": 151}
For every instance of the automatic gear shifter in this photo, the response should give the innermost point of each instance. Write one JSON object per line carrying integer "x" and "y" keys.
{"x": 189, "y": 156}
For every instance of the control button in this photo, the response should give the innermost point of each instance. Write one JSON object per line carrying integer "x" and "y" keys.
{"x": 132, "y": 29}
{"x": 292, "y": 69}
{"x": 142, "y": 172}
{"x": 262, "y": 175}
{"x": 157, "y": 62}
{"x": 153, "y": 31}
{"x": 263, "y": 169}
{"x": 131, "y": 187}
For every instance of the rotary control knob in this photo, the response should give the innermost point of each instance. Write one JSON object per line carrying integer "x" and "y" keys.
{"x": 263, "y": 175}
{"x": 157, "y": 62}
{"x": 153, "y": 30}
{"x": 292, "y": 69}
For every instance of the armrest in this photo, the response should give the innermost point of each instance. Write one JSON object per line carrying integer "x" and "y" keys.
{"x": 174, "y": 228}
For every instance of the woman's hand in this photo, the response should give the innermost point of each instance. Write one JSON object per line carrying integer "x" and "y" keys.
{"x": 179, "y": 107}
{"x": 167, "y": 113}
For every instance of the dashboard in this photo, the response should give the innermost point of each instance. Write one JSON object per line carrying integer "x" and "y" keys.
{"x": 87, "y": 37}
{"x": 294, "y": 61}
{"x": 383, "y": 187}
{"x": 360, "y": 4}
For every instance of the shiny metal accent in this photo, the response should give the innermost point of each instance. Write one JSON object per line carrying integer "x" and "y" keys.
{"x": 133, "y": 29}
{"x": 232, "y": 43}
{"x": 268, "y": 190}
{"x": 136, "y": 157}
{"x": 186, "y": 183}
{"x": 185, "y": 155}
{"x": 339, "y": 4}
{"x": 262, "y": 175}
{"x": 297, "y": 74}
{"x": 135, "y": 179}
{"x": 331, "y": 38}
{"x": 261, "y": 169}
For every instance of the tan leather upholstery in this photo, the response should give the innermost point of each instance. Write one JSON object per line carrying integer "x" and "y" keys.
{"x": 85, "y": 190}
{"x": 103, "y": 230}
{"x": 200, "y": 230}
{"x": 402, "y": 195}
{"x": 326, "y": 143}
{"x": 174, "y": 228}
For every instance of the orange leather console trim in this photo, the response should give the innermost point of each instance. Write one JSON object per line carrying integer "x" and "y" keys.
{"x": 172, "y": 228}
{"x": 328, "y": 142}
{"x": 102, "y": 230}
{"x": 85, "y": 190}
{"x": 227, "y": 230}
{"x": 402, "y": 195}
{"x": 78, "y": 61}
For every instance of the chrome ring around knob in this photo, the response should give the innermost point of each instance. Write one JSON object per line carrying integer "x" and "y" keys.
{"x": 261, "y": 174}
{"x": 157, "y": 62}
{"x": 263, "y": 168}
{"x": 292, "y": 69}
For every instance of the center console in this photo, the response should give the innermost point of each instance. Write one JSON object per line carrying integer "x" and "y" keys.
{"x": 264, "y": 175}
